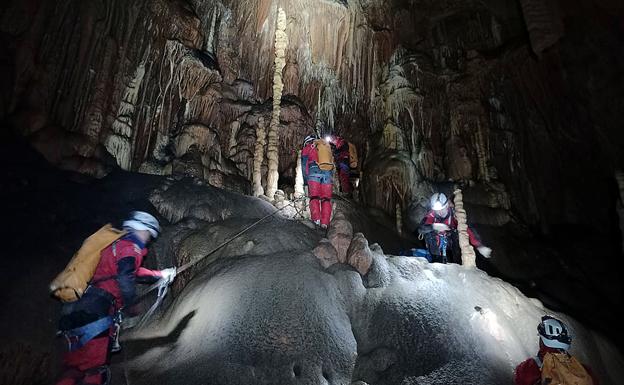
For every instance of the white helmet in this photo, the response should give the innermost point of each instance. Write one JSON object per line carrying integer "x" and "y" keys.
{"x": 439, "y": 201}
{"x": 554, "y": 333}
{"x": 309, "y": 139}
{"x": 140, "y": 220}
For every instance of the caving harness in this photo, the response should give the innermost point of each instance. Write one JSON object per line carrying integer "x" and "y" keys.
{"x": 78, "y": 337}
{"x": 443, "y": 244}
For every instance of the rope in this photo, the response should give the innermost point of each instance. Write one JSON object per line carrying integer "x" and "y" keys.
{"x": 188, "y": 265}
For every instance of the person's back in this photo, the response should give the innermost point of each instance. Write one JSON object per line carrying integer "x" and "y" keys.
{"x": 317, "y": 163}
{"x": 87, "y": 324}
{"x": 120, "y": 266}
{"x": 309, "y": 156}
{"x": 553, "y": 364}
{"x": 342, "y": 158}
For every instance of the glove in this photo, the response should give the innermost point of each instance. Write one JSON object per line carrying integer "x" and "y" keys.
{"x": 485, "y": 251}
{"x": 169, "y": 274}
{"x": 440, "y": 227}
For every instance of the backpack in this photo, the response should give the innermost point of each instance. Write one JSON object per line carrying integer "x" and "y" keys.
{"x": 563, "y": 369}
{"x": 69, "y": 285}
{"x": 325, "y": 157}
{"x": 353, "y": 157}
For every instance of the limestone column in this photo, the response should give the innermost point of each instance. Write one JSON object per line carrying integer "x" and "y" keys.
{"x": 259, "y": 158}
{"x": 299, "y": 191}
{"x": 281, "y": 42}
{"x": 467, "y": 252}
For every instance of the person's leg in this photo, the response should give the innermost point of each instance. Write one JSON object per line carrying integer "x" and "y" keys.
{"x": 326, "y": 205}
{"x": 453, "y": 250}
{"x": 433, "y": 245}
{"x": 79, "y": 365}
{"x": 98, "y": 358}
{"x": 314, "y": 189}
{"x": 345, "y": 183}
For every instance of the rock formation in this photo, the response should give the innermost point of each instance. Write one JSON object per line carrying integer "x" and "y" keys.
{"x": 516, "y": 101}
{"x": 259, "y": 158}
{"x": 468, "y": 256}
{"x": 281, "y": 43}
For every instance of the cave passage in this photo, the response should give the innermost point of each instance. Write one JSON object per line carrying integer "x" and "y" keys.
{"x": 353, "y": 192}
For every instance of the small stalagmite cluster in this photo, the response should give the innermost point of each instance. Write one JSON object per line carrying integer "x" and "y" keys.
{"x": 514, "y": 105}
{"x": 342, "y": 246}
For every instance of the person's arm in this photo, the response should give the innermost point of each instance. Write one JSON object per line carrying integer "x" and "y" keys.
{"x": 475, "y": 239}
{"x": 527, "y": 373}
{"x": 473, "y": 236}
{"x": 592, "y": 375}
{"x": 126, "y": 280}
{"x": 426, "y": 225}
{"x": 147, "y": 276}
{"x": 304, "y": 166}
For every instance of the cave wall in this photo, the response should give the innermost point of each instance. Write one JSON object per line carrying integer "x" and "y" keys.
{"x": 516, "y": 100}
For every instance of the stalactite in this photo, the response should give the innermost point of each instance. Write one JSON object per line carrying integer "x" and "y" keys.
{"x": 399, "y": 219}
{"x": 259, "y": 158}
{"x": 119, "y": 143}
{"x": 299, "y": 191}
{"x": 543, "y": 23}
{"x": 234, "y": 126}
{"x": 481, "y": 154}
{"x": 467, "y": 252}
{"x": 210, "y": 42}
{"x": 281, "y": 42}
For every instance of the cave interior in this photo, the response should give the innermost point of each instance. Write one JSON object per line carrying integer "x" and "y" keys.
{"x": 196, "y": 111}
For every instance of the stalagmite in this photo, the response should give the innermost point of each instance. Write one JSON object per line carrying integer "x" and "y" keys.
{"x": 467, "y": 252}
{"x": 299, "y": 191}
{"x": 259, "y": 158}
{"x": 281, "y": 42}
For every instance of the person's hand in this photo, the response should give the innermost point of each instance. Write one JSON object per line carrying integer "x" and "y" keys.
{"x": 169, "y": 274}
{"x": 440, "y": 227}
{"x": 485, "y": 251}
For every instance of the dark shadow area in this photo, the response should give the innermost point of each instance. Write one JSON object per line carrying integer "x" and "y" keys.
{"x": 141, "y": 345}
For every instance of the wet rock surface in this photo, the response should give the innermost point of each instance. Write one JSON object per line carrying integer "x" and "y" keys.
{"x": 263, "y": 309}
{"x": 499, "y": 97}
{"x": 516, "y": 101}
{"x": 280, "y": 316}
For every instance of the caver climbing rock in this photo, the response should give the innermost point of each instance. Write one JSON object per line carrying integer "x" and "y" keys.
{"x": 439, "y": 228}
{"x": 89, "y": 322}
{"x": 318, "y": 169}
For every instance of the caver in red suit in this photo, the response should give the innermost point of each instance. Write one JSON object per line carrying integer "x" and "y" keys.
{"x": 111, "y": 288}
{"x": 529, "y": 372}
{"x": 439, "y": 228}
{"x": 320, "y": 184}
{"x": 554, "y": 338}
{"x": 341, "y": 155}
